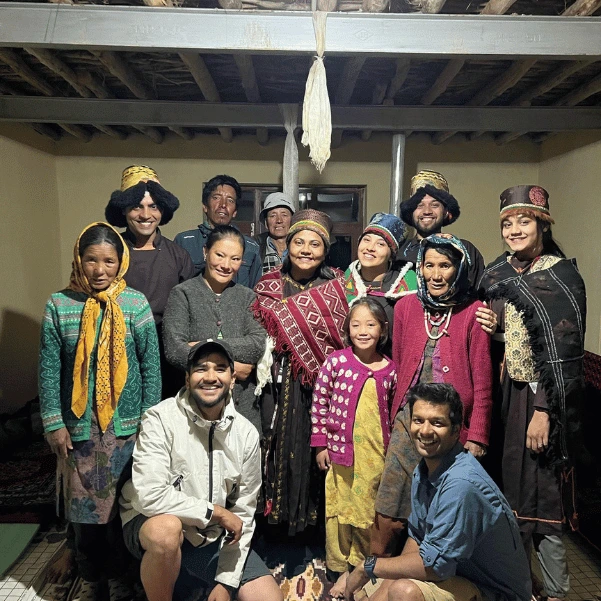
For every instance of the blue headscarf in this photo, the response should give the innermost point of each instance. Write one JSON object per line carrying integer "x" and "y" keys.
{"x": 459, "y": 292}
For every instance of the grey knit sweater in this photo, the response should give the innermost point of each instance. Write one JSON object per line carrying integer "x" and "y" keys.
{"x": 194, "y": 312}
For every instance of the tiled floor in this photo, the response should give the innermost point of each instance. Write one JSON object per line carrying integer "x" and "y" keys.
{"x": 25, "y": 580}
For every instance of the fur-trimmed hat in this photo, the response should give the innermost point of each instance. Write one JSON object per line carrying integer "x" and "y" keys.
{"x": 527, "y": 199}
{"x": 435, "y": 185}
{"x": 310, "y": 219}
{"x": 136, "y": 181}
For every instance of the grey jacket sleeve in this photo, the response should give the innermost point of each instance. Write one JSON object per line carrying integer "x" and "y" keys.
{"x": 249, "y": 346}
{"x": 176, "y": 328}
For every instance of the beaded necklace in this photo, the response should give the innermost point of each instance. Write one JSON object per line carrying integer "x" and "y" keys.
{"x": 445, "y": 318}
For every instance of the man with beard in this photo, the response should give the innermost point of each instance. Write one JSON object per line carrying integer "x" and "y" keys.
{"x": 429, "y": 209}
{"x": 191, "y": 501}
{"x": 464, "y": 543}
{"x": 156, "y": 264}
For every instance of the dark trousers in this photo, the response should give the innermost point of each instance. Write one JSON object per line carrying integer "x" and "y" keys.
{"x": 99, "y": 550}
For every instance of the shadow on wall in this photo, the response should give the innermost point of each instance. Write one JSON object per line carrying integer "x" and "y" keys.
{"x": 19, "y": 345}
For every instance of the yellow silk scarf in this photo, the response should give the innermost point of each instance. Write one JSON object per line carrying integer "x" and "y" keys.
{"x": 111, "y": 359}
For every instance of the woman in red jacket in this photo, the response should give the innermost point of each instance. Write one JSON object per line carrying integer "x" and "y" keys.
{"x": 437, "y": 338}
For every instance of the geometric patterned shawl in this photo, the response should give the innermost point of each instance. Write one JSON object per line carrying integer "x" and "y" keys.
{"x": 307, "y": 326}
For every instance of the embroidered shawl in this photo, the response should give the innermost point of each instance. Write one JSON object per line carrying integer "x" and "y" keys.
{"x": 552, "y": 303}
{"x": 306, "y": 326}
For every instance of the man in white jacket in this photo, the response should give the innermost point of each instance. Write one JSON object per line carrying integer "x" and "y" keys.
{"x": 191, "y": 501}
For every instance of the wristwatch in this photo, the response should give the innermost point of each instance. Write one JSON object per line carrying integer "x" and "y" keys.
{"x": 369, "y": 566}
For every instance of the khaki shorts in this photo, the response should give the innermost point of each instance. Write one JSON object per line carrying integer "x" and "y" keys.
{"x": 452, "y": 589}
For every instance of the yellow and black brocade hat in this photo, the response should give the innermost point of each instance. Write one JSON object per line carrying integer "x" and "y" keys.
{"x": 435, "y": 185}
{"x": 136, "y": 181}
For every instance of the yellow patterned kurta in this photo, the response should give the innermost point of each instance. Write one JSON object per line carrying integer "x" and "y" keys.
{"x": 351, "y": 491}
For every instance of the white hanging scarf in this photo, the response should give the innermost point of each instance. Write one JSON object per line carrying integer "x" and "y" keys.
{"x": 290, "y": 165}
{"x": 317, "y": 116}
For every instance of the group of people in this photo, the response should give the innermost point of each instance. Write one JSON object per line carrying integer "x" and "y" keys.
{"x": 203, "y": 391}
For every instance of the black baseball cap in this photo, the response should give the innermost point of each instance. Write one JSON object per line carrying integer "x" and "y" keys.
{"x": 210, "y": 345}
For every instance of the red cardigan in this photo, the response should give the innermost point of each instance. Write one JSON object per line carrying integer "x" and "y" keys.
{"x": 465, "y": 355}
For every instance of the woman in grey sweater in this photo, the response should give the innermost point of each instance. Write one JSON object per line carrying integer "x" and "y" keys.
{"x": 212, "y": 306}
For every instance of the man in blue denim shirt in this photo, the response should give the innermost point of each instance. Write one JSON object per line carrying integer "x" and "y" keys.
{"x": 464, "y": 543}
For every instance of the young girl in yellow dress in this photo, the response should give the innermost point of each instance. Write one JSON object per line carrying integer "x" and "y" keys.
{"x": 350, "y": 430}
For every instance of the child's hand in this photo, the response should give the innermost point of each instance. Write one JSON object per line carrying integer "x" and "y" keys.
{"x": 323, "y": 458}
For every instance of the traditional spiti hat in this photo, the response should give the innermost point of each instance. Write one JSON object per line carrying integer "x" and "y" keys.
{"x": 310, "y": 219}
{"x": 532, "y": 200}
{"x": 136, "y": 182}
{"x": 435, "y": 185}
{"x": 390, "y": 227}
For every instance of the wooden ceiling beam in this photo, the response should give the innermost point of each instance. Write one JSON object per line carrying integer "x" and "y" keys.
{"x": 56, "y": 65}
{"x": 582, "y": 8}
{"x": 120, "y": 68}
{"x": 402, "y": 66}
{"x": 244, "y": 62}
{"x": 553, "y": 80}
{"x": 204, "y": 80}
{"x": 23, "y": 70}
{"x": 344, "y": 92}
{"x": 497, "y": 7}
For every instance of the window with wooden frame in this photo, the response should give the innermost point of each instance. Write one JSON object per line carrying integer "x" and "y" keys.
{"x": 344, "y": 204}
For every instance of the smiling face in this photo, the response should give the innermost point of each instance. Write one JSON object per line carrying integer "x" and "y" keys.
{"x": 278, "y": 222}
{"x": 307, "y": 252}
{"x": 523, "y": 234}
{"x": 432, "y": 431}
{"x": 373, "y": 252}
{"x": 223, "y": 260}
{"x": 100, "y": 264}
{"x": 144, "y": 218}
{"x": 210, "y": 381}
{"x": 221, "y": 205}
{"x": 364, "y": 329}
{"x": 428, "y": 216}
{"x": 438, "y": 271}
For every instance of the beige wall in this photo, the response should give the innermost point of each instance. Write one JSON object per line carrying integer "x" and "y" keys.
{"x": 571, "y": 178}
{"x": 52, "y": 191}
{"x": 30, "y": 267}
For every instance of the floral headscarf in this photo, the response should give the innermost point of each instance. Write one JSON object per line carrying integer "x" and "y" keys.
{"x": 111, "y": 359}
{"x": 459, "y": 291}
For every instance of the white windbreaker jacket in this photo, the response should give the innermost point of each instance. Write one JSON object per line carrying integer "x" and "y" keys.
{"x": 184, "y": 464}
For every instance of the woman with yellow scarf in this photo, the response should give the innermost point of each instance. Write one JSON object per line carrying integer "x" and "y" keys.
{"x": 98, "y": 372}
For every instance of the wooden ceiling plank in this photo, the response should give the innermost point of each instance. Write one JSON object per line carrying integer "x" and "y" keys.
{"x": 244, "y": 62}
{"x": 344, "y": 92}
{"x": 56, "y": 65}
{"x": 582, "y": 8}
{"x": 120, "y": 68}
{"x": 205, "y": 82}
{"x": 497, "y": 7}
{"x": 22, "y": 69}
{"x": 377, "y": 97}
{"x": 430, "y": 7}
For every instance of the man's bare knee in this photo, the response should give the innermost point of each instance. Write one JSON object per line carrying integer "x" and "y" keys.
{"x": 161, "y": 534}
{"x": 264, "y": 588}
{"x": 404, "y": 590}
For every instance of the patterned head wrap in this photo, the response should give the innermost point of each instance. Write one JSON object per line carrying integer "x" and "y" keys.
{"x": 459, "y": 291}
{"x": 111, "y": 360}
{"x": 532, "y": 200}
{"x": 435, "y": 185}
{"x": 310, "y": 219}
{"x": 390, "y": 227}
